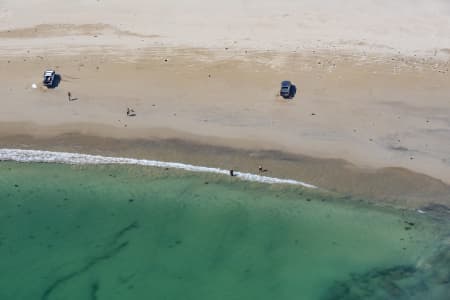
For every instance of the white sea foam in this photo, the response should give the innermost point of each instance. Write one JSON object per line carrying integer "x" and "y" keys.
{"x": 20, "y": 155}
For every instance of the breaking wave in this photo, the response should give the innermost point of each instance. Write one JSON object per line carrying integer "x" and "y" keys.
{"x": 40, "y": 156}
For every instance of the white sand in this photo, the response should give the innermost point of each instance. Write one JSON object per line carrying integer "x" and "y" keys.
{"x": 410, "y": 27}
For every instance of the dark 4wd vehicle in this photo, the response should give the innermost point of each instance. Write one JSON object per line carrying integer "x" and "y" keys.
{"x": 287, "y": 90}
{"x": 49, "y": 78}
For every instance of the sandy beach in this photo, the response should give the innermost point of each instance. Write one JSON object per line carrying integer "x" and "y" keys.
{"x": 371, "y": 116}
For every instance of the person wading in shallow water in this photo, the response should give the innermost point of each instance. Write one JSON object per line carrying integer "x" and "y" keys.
{"x": 231, "y": 172}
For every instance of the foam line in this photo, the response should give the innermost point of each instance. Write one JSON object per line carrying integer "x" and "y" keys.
{"x": 20, "y": 155}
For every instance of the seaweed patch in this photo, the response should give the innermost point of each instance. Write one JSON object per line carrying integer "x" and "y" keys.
{"x": 114, "y": 249}
{"x": 95, "y": 286}
{"x": 399, "y": 282}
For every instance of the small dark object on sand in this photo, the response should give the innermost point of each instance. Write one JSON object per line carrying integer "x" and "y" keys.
{"x": 130, "y": 112}
{"x": 261, "y": 169}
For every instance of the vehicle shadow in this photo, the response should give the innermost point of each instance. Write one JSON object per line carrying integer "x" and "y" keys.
{"x": 56, "y": 81}
{"x": 293, "y": 92}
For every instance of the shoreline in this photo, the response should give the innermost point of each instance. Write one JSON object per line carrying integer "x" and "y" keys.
{"x": 40, "y": 156}
{"x": 396, "y": 187}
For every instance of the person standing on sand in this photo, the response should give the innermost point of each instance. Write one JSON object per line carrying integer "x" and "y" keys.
{"x": 69, "y": 95}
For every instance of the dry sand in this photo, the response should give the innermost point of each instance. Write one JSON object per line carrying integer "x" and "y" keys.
{"x": 420, "y": 27}
{"x": 373, "y": 90}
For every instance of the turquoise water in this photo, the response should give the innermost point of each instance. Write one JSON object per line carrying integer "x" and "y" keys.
{"x": 121, "y": 232}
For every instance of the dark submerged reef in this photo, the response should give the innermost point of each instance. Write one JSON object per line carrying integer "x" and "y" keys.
{"x": 430, "y": 279}
{"x": 113, "y": 248}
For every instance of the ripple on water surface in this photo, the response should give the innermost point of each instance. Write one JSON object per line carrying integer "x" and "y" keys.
{"x": 128, "y": 232}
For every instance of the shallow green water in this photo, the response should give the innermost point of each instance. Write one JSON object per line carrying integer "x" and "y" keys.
{"x": 120, "y": 232}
